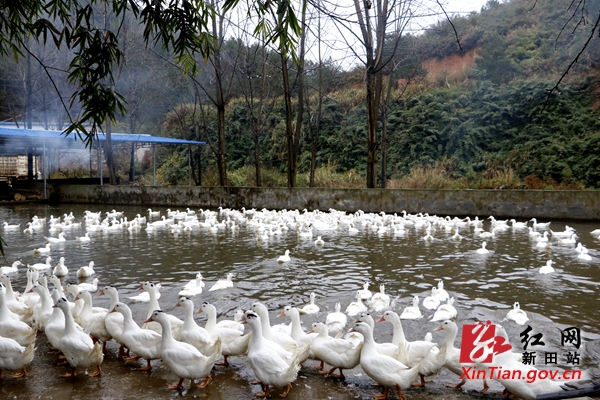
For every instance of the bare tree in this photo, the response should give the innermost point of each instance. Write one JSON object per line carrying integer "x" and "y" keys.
{"x": 381, "y": 24}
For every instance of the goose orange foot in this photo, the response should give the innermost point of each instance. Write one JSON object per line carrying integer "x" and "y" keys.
{"x": 177, "y": 386}
{"x": 148, "y": 367}
{"x": 421, "y": 384}
{"x": 263, "y": 394}
{"x": 382, "y": 396}
{"x": 205, "y": 383}
{"x": 20, "y": 374}
{"x": 287, "y": 390}
{"x": 96, "y": 372}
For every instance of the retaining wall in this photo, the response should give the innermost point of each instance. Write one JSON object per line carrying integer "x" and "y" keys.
{"x": 581, "y": 205}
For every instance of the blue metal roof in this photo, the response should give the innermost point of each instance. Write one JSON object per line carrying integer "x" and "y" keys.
{"x": 15, "y": 140}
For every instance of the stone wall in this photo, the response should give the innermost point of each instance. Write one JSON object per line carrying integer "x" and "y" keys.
{"x": 582, "y": 205}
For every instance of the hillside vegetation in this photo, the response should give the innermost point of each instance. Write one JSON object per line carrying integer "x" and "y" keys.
{"x": 487, "y": 123}
{"x": 472, "y": 113}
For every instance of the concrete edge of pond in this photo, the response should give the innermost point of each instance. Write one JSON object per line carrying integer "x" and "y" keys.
{"x": 559, "y": 204}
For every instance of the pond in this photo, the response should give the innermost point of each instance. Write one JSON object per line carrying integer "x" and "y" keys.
{"x": 484, "y": 286}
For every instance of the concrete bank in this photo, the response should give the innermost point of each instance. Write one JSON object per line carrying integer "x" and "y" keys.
{"x": 580, "y": 205}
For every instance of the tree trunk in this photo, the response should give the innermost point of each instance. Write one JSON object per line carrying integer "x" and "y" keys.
{"x": 108, "y": 153}
{"x": 300, "y": 110}
{"x": 289, "y": 132}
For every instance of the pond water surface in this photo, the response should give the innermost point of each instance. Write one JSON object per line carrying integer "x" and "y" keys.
{"x": 484, "y": 287}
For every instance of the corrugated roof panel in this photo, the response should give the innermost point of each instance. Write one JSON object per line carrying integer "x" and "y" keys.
{"x": 37, "y": 137}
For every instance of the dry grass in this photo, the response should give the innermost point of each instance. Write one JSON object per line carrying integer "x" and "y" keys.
{"x": 440, "y": 176}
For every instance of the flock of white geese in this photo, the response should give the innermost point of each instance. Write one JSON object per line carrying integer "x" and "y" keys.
{"x": 344, "y": 340}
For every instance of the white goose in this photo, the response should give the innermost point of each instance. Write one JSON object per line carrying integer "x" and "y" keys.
{"x": 412, "y": 312}
{"x": 183, "y": 359}
{"x": 298, "y": 334}
{"x": 483, "y": 249}
{"x": 422, "y": 353}
{"x": 365, "y": 293}
{"x": 86, "y": 271}
{"x": 15, "y": 357}
{"x": 42, "y": 250}
{"x": 77, "y": 346}
{"x": 12, "y": 269}
{"x": 547, "y": 269}
{"x": 284, "y": 340}
{"x": 540, "y": 225}
{"x": 14, "y": 305}
{"x": 356, "y": 306}
{"x": 387, "y": 371}
{"x": 233, "y": 342}
{"x": 11, "y": 328}
{"x": 284, "y": 258}
{"x": 517, "y": 315}
{"x": 193, "y": 287}
{"x": 339, "y": 353}
{"x": 93, "y": 322}
{"x": 441, "y": 293}
{"x": 190, "y": 332}
{"x": 450, "y": 355}
{"x": 59, "y": 239}
{"x": 336, "y": 321}
{"x": 311, "y": 308}
{"x": 60, "y": 269}
{"x": 223, "y": 283}
{"x": 43, "y": 309}
{"x": 432, "y": 302}
{"x": 445, "y": 311}
{"x": 145, "y": 343}
{"x": 270, "y": 367}
{"x": 85, "y": 238}
{"x": 380, "y": 301}
{"x": 41, "y": 266}
{"x": 152, "y": 291}
{"x": 114, "y": 321}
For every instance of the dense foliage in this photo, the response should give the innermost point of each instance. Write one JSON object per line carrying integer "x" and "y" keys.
{"x": 498, "y": 115}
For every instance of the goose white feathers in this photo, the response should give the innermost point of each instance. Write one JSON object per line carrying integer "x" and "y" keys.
{"x": 441, "y": 293}
{"x": 339, "y": 353}
{"x": 445, "y": 311}
{"x": 14, "y": 328}
{"x": 41, "y": 266}
{"x": 269, "y": 366}
{"x": 422, "y": 353}
{"x": 60, "y": 269}
{"x": 14, "y": 268}
{"x": 336, "y": 321}
{"x": 190, "y": 332}
{"x": 432, "y": 302}
{"x": 365, "y": 293}
{"x": 77, "y": 346}
{"x": 380, "y": 301}
{"x": 356, "y": 306}
{"x": 517, "y": 315}
{"x": 284, "y": 258}
{"x": 60, "y": 238}
{"x": 387, "y": 371}
{"x": 183, "y": 359}
{"x": 14, "y": 357}
{"x": 233, "y": 342}
{"x": 483, "y": 249}
{"x": 86, "y": 271}
{"x": 114, "y": 321}
{"x": 223, "y": 283}
{"x": 193, "y": 287}
{"x": 547, "y": 269}
{"x": 311, "y": 308}
{"x": 145, "y": 343}
{"x": 412, "y": 312}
